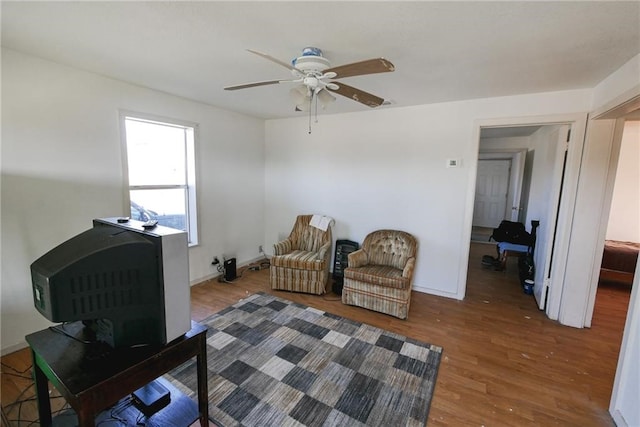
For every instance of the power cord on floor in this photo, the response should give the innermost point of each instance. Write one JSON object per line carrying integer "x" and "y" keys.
{"x": 19, "y": 401}
{"x": 27, "y": 395}
{"x": 17, "y": 373}
{"x": 5, "y": 419}
{"x": 255, "y": 266}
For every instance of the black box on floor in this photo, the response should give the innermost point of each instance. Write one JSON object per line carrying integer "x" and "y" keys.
{"x": 230, "y": 269}
{"x": 337, "y": 286}
{"x": 150, "y": 398}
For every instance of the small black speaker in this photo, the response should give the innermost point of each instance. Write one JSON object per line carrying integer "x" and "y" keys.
{"x": 230, "y": 269}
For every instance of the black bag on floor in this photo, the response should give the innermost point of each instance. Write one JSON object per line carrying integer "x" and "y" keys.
{"x": 512, "y": 232}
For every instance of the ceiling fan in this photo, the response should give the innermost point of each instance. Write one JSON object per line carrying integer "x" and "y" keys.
{"x": 315, "y": 75}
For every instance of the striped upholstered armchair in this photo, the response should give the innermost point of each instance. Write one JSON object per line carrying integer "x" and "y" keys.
{"x": 380, "y": 274}
{"x": 300, "y": 263}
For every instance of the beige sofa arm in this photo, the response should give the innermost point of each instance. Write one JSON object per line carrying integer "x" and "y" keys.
{"x": 323, "y": 252}
{"x": 283, "y": 247}
{"x": 358, "y": 258}
{"x": 407, "y": 272}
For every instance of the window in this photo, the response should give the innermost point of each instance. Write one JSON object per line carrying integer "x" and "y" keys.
{"x": 161, "y": 171}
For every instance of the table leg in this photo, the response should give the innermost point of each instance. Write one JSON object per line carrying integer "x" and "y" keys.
{"x": 203, "y": 398}
{"x": 85, "y": 418}
{"x": 42, "y": 393}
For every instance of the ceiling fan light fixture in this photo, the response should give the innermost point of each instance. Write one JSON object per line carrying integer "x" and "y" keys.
{"x": 311, "y": 82}
{"x": 298, "y": 95}
{"x": 304, "y": 106}
{"x": 325, "y": 98}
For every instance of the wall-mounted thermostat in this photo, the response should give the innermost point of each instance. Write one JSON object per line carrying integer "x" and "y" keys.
{"x": 453, "y": 163}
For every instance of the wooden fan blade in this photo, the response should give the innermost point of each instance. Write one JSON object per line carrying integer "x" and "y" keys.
{"x": 357, "y": 95}
{"x": 369, "y": 66}
{"x": 276, "y": 60}
{"x": 254, "y": 84}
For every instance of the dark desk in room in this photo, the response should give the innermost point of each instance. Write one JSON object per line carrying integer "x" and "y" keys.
{"x": 91, "y": 385}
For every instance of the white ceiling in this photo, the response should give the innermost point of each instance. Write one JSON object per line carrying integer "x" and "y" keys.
{"x": 443, "y": 51}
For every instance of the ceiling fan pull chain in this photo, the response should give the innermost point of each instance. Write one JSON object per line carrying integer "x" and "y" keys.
{"x": 310, "y": 105}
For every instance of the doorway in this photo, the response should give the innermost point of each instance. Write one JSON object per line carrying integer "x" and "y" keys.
{"x": 539, "y": 195}
{"x": 501, "y": 188}
{"x": 576, "y": 264}
{"x": 622, "y": 239}
{"x": 529, "y": 191}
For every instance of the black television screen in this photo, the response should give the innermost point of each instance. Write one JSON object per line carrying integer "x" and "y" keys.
{"x": 117, "y": 279}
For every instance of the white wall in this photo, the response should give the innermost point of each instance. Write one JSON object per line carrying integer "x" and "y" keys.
{"x": 624, "y": 218}
{"x": 387, "y": 169}
{"x": 62, "y": 167}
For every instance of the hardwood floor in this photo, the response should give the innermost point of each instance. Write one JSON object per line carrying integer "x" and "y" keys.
{"x": 504, "y": 363}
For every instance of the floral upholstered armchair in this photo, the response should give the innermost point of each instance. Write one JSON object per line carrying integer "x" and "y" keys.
{"x": 379, "y": 275}
{"x": 300, "y": 263}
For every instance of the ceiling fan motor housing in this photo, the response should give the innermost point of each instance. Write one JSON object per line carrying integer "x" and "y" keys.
{"x": 311, "y": 64}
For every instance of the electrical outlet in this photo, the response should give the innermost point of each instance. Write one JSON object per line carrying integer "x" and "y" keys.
{"x": 260, "y": 249}
{"x": 215, "y": 261}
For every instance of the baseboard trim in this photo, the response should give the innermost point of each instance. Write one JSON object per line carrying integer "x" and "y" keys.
{"x": 435, "y": 292}
{"x": 13, "y": 348}
{"x": 619, "y": 419}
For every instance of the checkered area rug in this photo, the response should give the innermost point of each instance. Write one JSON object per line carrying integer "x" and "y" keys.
{"x": 273, "y": 362}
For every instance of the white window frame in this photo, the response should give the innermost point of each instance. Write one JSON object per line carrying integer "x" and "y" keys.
{"x": 190, "y": 187}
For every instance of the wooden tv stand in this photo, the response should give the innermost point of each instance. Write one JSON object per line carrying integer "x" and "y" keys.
{"x": 91, "y": 383}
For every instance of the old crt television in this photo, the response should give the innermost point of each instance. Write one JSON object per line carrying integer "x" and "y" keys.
{"x": 128, "y": 284}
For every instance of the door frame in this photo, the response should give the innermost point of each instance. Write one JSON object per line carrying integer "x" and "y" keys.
{"x": 625, "y": 383}
{"x": 578, "y": 123}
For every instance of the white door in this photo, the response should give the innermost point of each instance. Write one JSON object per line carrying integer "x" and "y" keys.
{"x": 492, "y": 183}
{"x": 544, "y": 250}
